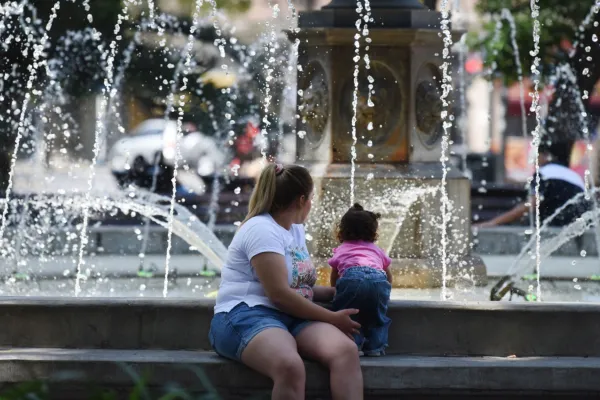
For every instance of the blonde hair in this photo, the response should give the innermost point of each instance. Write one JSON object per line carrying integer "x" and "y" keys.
{"x": 277, "y": 188}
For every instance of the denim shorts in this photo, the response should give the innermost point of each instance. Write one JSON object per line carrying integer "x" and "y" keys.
{"x": 230, "y": 332}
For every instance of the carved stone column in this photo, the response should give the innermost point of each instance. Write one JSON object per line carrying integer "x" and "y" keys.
{"x": 397, "y": 159}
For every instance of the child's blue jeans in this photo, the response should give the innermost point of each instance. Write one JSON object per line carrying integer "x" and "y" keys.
{"x": 367, "y": 290}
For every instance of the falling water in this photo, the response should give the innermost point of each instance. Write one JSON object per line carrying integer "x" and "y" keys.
{"x": 506, "y": 14}
{"x": 86, "y": 7}
{"x": 184, "y": 224}
{"x": 403, "y": 208}
{"x": 463, "y": 102}
{"x": 586, "y": 21}
{"x": 100, "y": 128}
{"x": 168, "y": 109}
{"x": 589, "y": 178}
{"x": 293, "y": 56}
{"x": 446, "y": 124}
{"x": 151, "y": 10}
{"x": 216, "y": 185}
{"x": 187, "y": 55}
{"x": 114, "y": 100}
{"x": 267, "y": 102}
{"x": 365, "y": 32}
{"x": 359, "y": 11}
{"x": 535, "y": 107}
{"x": 519, "y": 265}
{"x": 37, "y": 53}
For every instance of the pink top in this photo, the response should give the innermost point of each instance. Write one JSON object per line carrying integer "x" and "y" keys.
{"x": 358, "y": 254}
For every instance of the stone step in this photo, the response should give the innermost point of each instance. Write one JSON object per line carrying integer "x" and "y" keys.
{"x": 425, "y": 328}
{"x": 385, "y": 377}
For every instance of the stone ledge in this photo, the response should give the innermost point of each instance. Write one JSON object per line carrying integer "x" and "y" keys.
{"x": 424, "y": 328}
{"x": 385, "y": 376}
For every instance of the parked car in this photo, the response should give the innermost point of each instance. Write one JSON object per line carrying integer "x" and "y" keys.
{"x": 153, "y": 142}
{"x": 148, "y": 142}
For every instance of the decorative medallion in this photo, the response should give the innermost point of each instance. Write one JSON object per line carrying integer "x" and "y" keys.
{"x": 384, "y": 113}
{"x": 313, "y": 104}
{"x": 428, "y": 107}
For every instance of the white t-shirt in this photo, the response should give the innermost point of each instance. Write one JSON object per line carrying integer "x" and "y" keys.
{"x": 261, "y": 234}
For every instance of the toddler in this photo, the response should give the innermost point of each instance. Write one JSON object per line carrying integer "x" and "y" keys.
{"x": 360, "y": 273}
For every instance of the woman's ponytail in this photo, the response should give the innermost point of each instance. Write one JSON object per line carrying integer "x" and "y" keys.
{"x": 264, "y": 193}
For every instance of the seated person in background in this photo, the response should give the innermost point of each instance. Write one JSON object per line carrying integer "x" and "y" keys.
{"x": 558, "y": 184}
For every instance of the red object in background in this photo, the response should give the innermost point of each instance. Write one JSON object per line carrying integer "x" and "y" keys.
{"x": 252, "y": 130}
{"x": 244, "y": 144}
{"x": 566, "y": 45}
{"x": 474, "y": 64}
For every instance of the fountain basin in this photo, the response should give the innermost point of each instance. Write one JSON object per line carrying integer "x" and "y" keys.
{"x": 435, "y": 347}
{"x": 426, "y": 328}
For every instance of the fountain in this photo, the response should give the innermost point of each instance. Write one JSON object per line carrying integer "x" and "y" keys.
{"x": 399, "y": 154}
{"x": 375, "y": 131}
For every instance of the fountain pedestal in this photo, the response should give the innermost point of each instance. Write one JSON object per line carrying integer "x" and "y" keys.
{"x": 398, "y": 139}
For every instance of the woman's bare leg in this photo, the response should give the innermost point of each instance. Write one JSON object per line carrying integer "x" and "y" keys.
{"x": 274, "y": 353}
{"x": 326, "y": 344}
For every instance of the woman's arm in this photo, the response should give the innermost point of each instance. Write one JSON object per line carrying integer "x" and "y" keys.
{"x": 333, "y": 278}
{"x": 513, "y": 215}
{"x": 272, "y": 273}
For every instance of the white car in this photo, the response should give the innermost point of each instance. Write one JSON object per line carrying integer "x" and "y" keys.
{"x": 149, "y": 140}
{"x": 156, "y": 138}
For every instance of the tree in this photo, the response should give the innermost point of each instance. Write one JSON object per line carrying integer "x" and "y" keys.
{"x": 73, "y": 58}
{"x": 562, "y": 28}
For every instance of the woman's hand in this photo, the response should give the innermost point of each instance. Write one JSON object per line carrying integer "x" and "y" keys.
{"x": 341, "y": 319}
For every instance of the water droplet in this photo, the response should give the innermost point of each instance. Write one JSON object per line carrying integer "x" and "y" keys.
{"x": 583, "y": 253}
{"x": 237, "y": 190}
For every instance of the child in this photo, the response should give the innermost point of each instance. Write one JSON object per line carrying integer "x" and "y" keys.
{"x": 360, "y": 273}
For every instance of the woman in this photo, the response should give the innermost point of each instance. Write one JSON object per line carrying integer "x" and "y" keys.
{"x": 265, "y": 316}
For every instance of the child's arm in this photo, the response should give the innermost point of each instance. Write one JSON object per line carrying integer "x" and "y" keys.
{"x": 387, "y": 264}
{"x": 333, "y": 277}
{"x": 388, "y": 273}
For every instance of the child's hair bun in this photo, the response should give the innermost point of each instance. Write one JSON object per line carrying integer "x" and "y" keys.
{"x": 357, "y": 207}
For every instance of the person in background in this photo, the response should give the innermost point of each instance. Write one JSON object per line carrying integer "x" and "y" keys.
{"x": 558, "y": 185}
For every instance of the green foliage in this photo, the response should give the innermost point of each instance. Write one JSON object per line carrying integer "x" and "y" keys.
{"x": 559, "y": 21}
{"x": 38, "y": 390}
